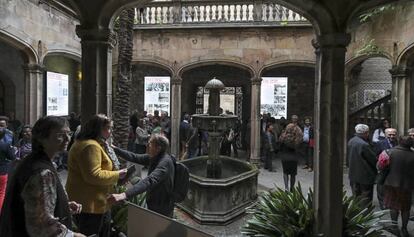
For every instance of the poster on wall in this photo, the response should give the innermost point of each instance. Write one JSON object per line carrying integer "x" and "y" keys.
{"x": 273, "y": 97}
{"x": 157, "y": 94}
{"x": 57, "y": 94}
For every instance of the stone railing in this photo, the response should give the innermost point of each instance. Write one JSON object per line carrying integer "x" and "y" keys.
{"x": 370, "y": 115}
{"x": 219, "y": 13}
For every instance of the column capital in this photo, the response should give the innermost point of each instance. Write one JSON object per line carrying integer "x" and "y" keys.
{"x": 176, "y": 80}
{"x": 398, "y": 71}
{"x": 256, "y": 81}
{"x": 35, "y": 68}
{"x": 93, "y": 35}
{"x": 332, "y": 40}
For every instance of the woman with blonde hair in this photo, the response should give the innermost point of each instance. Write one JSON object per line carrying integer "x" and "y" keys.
{"x": 93, "y": 171}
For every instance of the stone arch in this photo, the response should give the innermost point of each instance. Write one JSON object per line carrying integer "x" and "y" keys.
{"x": 352, "y": 62}
{"x": 64, "y": 53}
{"x": 230, "y": 63}
{"x": 406, "y": 56}
{"x": 30, "y": 54}
{"x": 156, "y": 63}
{"x": 310, "y": 64}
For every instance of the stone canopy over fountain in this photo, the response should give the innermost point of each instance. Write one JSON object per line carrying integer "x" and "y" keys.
{"x": 220, "y": 187}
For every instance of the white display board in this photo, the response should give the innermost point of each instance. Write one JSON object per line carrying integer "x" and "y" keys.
{"x": 157, "y": 94}
{"x": 273, "y": 99}
{"x": 57, "y": 94}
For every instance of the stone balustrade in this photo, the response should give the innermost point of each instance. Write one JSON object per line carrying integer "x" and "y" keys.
{"x": 209, "y": 13}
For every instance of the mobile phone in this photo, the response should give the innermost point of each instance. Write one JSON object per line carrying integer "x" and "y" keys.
{"x": 130, "y": 171}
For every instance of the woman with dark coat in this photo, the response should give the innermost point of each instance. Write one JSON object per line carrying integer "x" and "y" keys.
{"x": 399, "y": 183}
{"x": 289, "y": 141}
{"x": 36, "y": 203}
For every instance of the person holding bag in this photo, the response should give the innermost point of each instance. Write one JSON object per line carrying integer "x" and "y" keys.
{"x": 399, "y": 183}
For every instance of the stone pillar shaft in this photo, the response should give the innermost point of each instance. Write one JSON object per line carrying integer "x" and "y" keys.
{"x": 329, "y": 132}
{"x": 175, "y": 116}
{"x": 34, "y": 93}
{"x": 400, "y": 99}
{"x": 255, "y": 122}
{"x": 96, "y": 89}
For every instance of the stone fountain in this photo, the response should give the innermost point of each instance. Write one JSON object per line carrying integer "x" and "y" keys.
{"x": 220, "y": 187}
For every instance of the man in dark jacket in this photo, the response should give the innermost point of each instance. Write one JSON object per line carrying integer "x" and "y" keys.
{"x": 361, "y": 161}
{"x": 159, "y": 182}
{"x": 389, "y": 142}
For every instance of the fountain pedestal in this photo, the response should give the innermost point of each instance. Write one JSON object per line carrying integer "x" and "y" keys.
{"x": 220, "y": 187}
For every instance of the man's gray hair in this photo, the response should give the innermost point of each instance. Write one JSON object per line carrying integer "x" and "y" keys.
{"x": 361, "y": 128}
{"x": 411, "y": 130}
{"x": 161, "y": 141}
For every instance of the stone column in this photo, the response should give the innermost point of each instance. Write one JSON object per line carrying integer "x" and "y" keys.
{"x": 96, "y": 88}
{"x": 400, "y": 98}
{"x": 329, "y": 132}
{"x": 33, "y": 93}
{"x": 175, "y": 115}
{"x": 255, "y": 121}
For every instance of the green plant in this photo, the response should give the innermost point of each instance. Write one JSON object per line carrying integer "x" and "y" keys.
{"x": 120, "y": 211}
{"x": 281, "y": 213}
{"x": 368, "y": 15}
{"x": 291, "y": 214}
{"x": 369, "y": 48}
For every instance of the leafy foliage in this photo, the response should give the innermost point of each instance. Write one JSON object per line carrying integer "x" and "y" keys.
{"x": 369, "y": 48}
{"x": 369, "y": 15}
{"x": 281, "y": 213}
{"x": 120, "y": 211}
{"x": 290, "y": 214}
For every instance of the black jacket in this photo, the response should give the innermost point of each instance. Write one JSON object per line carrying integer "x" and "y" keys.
{"x": 361, "y": 160}
{"x": 159, "y": 182}
{"x": 401, "y": 173}
{"x": 6, "y": 157}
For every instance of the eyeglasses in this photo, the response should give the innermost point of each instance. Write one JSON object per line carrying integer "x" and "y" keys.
{"x": 62, "y": 135}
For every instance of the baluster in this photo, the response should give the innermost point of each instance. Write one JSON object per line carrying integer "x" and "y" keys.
{"x": 165, "y": 15}
{"x": 277, "y": 12}
{"x": 190, "y": 14}
{"x": 183, "y": 14}
{"x": 238, "y": 8}
{"x": 202, "y": 13}
{"x": 158, "y": 15}
{"x": 219, "y": 12}
{"x": 208, "y": 19}
{"x": 244, "y": 12}
{"x": 290, "y": 16}
{"x": 271, "y": 8}
{"x": 146, "y": 16}
{"x": 284, "y": 14}
{"x": 380, "y": 111}
{"x": 232, "y": 14}
{"x": 226, "y": 12}
{"x": 171, "y": 15}
{"x": 196, "y": 15}
{"x": 250, "y": 12}
{"x": 152, "y": 15}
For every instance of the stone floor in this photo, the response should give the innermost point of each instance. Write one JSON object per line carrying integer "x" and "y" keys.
{"x": 267, "y": 180}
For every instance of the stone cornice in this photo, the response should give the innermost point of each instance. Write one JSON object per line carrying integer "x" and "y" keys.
{"x": 334, "y": 40}
{"x": 34, "y": 68}
{"x": 398, "y": 71}
{"x": 94, "y": 35}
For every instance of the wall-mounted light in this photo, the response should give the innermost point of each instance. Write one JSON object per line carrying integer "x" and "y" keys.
{"x": 79, "y": 76}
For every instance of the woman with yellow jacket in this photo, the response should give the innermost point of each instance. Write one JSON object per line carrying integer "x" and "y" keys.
{"x": 92, "y": 175}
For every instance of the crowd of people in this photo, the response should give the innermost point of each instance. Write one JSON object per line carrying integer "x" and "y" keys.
{"x": 34, "y": 202}
{"x": 386, "y": 160}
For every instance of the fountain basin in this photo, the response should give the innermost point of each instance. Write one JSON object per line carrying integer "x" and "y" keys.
{"x": 213, "y": 123}
{"x": 219, "y": 201}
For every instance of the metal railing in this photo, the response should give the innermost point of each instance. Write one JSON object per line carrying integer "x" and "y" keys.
{"x": 370, "y": 115}
{"x": 200, "y": 12}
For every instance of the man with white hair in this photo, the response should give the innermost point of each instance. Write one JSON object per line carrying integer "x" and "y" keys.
{"x": 361, "y": 161}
